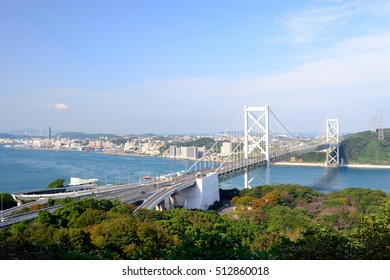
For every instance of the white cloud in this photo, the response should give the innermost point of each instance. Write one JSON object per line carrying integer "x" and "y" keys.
{"x": 315, "y": 24}
{"x": 342, "y": 80}
{"x": 329, "y": 20}
{"x": 59, "y": 106}
{"x": 352, "y": 62}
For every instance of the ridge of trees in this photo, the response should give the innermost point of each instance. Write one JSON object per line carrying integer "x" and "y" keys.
{"x": 204, "y": 141}
{"x": 270, "y": 222}
{"x": 358, "y": 148}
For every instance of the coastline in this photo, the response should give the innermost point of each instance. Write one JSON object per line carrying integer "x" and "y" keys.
{"x": 282, "y": 163}
{"x": 362, "y": 166}
{"x": 115, "y": 153}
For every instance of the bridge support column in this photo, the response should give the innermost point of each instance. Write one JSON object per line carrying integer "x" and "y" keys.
{"x": 170, "y": 202}
{"x": 160, "y": 207}
{"x": 256, "y": 136}
{"x": 332, "y": 137}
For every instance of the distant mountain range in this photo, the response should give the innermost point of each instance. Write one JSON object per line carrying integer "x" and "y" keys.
{"x": 30, "y": 132}
{"x": 10, "y": 136}
{"x": 81, "y": 135}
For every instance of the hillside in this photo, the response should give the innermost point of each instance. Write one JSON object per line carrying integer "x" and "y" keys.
{"x": 204, "y": 141}
{"x": 9, "y": 136}
{"x": 365, "y": 148}
{"x": 270, "y": 222}
{"x": 81, "y": 135}
{"x": 359, "y": 148}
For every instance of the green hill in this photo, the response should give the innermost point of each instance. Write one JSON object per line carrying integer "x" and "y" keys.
{"x": 81, "y": 135}
{"x": 366, "y": 148}
{"x": 359, "y": 148}
{"x": 204, "y": 141}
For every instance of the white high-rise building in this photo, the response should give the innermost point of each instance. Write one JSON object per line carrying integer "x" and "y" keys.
{"x": 227, "y": 148}
{"x": 189, "y": 152}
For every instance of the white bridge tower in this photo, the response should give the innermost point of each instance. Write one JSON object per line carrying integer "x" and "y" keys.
{"x": 256, "y": 136}
{"x": 332, "y": 138}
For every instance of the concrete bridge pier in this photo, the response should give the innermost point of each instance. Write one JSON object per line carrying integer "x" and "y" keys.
{"x": 170, "y": 202}
{"x": 202, "y": 195}
{"x": 167, "y": 204}
{"x": 161, "y": 206}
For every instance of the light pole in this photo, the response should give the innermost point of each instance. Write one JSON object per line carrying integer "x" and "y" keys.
{"x": 1, "y": 206}
{"x": 186, "y": 170}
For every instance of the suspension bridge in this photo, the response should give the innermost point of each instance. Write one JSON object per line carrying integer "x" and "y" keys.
{"x": 254, "y": 141}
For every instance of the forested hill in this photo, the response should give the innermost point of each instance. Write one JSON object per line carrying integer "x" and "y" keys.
{"x": 366, "y": 148}
{"x": 269, "y": 222}
{"x": 359, "y": 148}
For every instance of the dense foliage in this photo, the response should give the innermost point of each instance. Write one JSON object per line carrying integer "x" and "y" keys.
{"x": 313, "y": 157}
{"x": 365, "y": 148}
{"x": 7, "y": 201}
{"x": 59, "y": 183}
{"x": 359, "y": 148}
{"x": 270, "y": 222}
{"x": 204, "y": 141}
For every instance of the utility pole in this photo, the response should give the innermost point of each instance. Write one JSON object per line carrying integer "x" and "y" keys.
{"x": 377, "y": 123}
{"x": 381, "y": 135}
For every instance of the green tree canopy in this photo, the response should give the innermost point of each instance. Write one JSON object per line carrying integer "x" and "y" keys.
{"x": 59, "y": 183}
{"x": 8, "y": 200}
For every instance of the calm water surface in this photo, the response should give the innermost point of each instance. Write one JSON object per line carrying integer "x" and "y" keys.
{"x": 34, "y": 169}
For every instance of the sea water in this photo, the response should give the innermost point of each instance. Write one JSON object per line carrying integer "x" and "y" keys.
{"x": 22, "y": 170}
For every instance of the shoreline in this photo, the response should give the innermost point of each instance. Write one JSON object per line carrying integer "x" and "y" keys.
{"x": 282, "y": 163}
{"x": 361, "y": 166}
{"x": 108, "y": 152}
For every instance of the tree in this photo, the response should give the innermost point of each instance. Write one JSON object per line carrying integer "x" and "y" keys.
{"x": 44, "y": 217}
{"x": 7, "y": 201}
{"x": 371, "y": 237}
{"x": 59, "y": 183}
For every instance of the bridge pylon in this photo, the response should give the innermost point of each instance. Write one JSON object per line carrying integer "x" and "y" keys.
{"x": 332, "y": 138}
{"x": 256, "y": 136}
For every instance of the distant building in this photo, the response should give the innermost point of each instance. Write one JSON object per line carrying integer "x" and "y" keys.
{"x": 226, "y": 149}
{"x": 174, "y": 151}
{"x": 108, "y": 145}
{"x": 189, "y": 152}
{"x": 128, "y": 146}
{"x": 184, "y": 152}
{"x": 201, "y": 151}
{"x": 96, "y": 144}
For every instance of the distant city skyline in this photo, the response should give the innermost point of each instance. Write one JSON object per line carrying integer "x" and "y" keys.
{"x": 181, "y": 67}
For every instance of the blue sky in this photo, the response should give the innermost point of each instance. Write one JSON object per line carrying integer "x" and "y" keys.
{"x": 191, "y": 66}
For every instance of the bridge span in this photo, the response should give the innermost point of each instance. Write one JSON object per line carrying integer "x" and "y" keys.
{"x": 253, "y": 145}
{"x": 256, "y": 140}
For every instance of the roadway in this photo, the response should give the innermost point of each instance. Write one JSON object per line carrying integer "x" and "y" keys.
{"x": 7, "y": 221}
{"x": 123, "y": 193}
